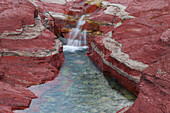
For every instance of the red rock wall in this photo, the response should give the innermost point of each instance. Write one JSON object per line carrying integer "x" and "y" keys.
{"x": 145, "y": 39}
{"x": 154, "y": 88}
{"x": 29, "y": 54}
{"x": 129, "y": 43}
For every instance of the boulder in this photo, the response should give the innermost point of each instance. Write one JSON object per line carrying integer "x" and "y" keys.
{"x": 14, "y": 97}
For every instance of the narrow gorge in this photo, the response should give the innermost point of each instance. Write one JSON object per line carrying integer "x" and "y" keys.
{"x": 84, "y": 56}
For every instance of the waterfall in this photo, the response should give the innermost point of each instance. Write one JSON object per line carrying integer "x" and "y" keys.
{"x": 84, "y": 35}
{"x": 77, "y": 37}
{"x": 74, "y": 38}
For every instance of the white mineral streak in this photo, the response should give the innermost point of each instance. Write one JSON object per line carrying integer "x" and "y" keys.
{"x": 28, "y": 31}
{"x": 136, "y": 79}
{"x": 124, "y": 110}
{"x": 58, "y": 15}
{"x": 62, "y": 2}
{"x": 165, "y": 36}
{"x": 70, "y": 0}
{"x": 122, "y": 57}
{"x": 116, "y": 9}
{"x": 39, "y": 53}
{"x": 17, "y": 32}
{"x": 31, "y": 32}
{"x": 117, "y": 24}
{"x": 34, "y": 2}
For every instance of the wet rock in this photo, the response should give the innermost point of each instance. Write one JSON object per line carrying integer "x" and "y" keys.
{"x": 63, "y": 40}
{"x": 91, "y": 26}
{"x": 90, "y": 8}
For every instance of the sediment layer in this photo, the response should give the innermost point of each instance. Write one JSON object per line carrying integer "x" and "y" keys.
{"x": 128, "y": 40}
{"x": 29, "y": 54}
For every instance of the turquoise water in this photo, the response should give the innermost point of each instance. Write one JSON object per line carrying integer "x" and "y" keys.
{"x": 79, "y": 88}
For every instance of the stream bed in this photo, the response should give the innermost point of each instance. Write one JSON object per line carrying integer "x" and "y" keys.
{"x": 80, "y": 87}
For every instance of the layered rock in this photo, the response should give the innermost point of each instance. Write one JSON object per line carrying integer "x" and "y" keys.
{"x": 154, "y": 89}
{"x": 128, "y": 40}
{"x": 29, "y": 54}
{"x": 137, "y": 51}
{"x": 110, "y": 57}
{"x": 125, "y": 39}
{"x": 23, "y": 10}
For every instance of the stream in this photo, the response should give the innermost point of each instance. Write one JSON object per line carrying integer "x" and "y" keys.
{"x": 80, "y": 87}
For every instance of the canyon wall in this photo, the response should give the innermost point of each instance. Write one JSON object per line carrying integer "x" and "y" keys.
{"x": 30, "y": 54}
{"x": 127, "y": 39}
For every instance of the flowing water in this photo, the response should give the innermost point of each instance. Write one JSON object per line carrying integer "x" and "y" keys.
{"x": 79, "y": 88}
{"x": 77, "y": 37}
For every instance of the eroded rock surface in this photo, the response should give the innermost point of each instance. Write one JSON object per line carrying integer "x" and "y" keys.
{"x": 29, "y": 54}
{"x": 127, "y": 39}
{"x": 137, "y": 53}
{"x": 133, "y": 40}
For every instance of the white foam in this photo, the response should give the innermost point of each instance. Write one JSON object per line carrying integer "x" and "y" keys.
{"x": 74, "y": 38}
{"x": 69, "y": 48}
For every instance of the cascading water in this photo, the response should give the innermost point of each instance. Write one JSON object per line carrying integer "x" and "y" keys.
{"x": 77, "y": 37}
{"x": 84, "y": 32}
{"x": 80, "y": 85}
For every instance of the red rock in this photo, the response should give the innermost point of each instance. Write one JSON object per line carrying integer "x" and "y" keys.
{"x": 52, "y": 7}
{"x": 124, "y": 81}
{"x": 75, "y": 8}
{"x": 123, "y": 2}
{"x": 31, "y": 56}
{"x": 145, "y": 39}
{"x": 15, "y": 97}
{"x": 123, "y": 110}
{"x": 147, "y": 29}
{"x": 154, "y": 88}
{"x": 78, "y": 4}
{"x": 91, "y": 26}
{"x": 44, "y": 41}
{"x": 164, "y": 39}
{"x": 145, "y": 5}
{"x": 90, "y": 8}
{"x": 5, "y": 109}
{"x": 76, "y": 12}
{"x": 26, "y": 71}
{"x": 8, "y": 20}
{"x": 100, "y": 16}
{"x": 59, "y": 23}
{"x": 44, "y": 6}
